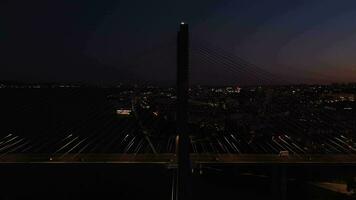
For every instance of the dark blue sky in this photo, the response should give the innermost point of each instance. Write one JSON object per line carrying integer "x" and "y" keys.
{"x": 72, "y": 40}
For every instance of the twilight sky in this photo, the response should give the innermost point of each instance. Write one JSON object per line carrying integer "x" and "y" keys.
{"x": 133, "y": 40}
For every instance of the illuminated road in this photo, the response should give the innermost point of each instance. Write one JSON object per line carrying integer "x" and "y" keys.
{"x": 273, "y": 159}
{"x": 89, "y": 158}
{"x": 170, "y": 159}
{"x": 334, "y": 187}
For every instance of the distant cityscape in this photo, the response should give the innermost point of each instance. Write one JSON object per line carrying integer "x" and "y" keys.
{"x": 301, "y": 119}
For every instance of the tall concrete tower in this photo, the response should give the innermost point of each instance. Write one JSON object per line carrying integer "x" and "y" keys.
{"x": 184, "y": 165}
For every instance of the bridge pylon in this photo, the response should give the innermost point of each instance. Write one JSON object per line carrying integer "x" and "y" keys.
{"x": 184, "y": 164}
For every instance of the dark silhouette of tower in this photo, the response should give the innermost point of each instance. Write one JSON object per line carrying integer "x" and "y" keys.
{"x": 184, "y": 166}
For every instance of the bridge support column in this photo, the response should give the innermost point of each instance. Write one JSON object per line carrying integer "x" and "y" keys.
{"x": 279, "y": 182}
{"x": 184, "y": 165}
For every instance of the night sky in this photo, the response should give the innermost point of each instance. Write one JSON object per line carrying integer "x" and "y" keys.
{"x": 133, "y": 40}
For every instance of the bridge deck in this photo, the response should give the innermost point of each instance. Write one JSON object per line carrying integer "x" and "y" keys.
{"x": 170, "y": 159}
{"x": 273, "y": 159}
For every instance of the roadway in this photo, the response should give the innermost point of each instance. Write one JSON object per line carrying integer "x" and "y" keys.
{"x": 273, "y": 159}
{"x": 170, "y": 159}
